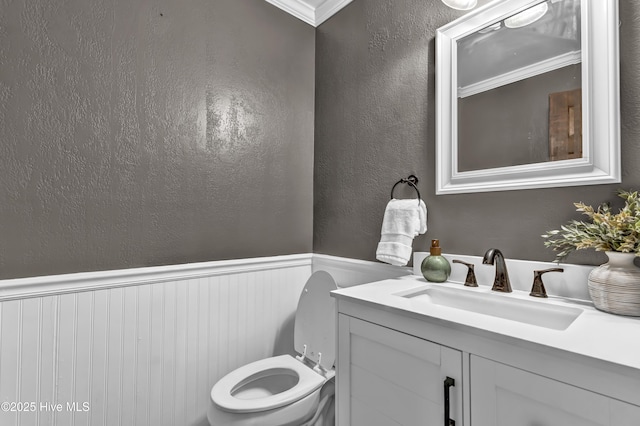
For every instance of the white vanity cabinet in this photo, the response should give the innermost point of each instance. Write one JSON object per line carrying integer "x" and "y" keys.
{"x": 505, "y": 396}
{"x": 391, "y": 378}
{"x": 392, "y": 363}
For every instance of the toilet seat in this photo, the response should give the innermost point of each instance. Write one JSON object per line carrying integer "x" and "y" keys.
{"x": 308, "y": 381}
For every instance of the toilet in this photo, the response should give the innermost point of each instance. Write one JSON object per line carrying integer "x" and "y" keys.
{"x": 285, "y": 390}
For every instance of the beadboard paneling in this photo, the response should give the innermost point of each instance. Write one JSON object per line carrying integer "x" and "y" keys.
{"x": 143, "y": 354}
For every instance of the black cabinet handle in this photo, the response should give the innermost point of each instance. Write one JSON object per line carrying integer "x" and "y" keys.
{"x": 448, "y": 382}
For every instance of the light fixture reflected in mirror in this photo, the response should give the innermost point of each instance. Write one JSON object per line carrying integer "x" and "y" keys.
{"x": 527, "y": 17}
{"x": 461, "y": 4}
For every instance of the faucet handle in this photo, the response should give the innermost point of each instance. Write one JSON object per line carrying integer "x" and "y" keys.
{"x": 470, "y": 281}
{"x": 538, "y": 289}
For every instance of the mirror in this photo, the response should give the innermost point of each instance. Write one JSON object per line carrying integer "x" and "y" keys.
{"x": 527, "y": 96}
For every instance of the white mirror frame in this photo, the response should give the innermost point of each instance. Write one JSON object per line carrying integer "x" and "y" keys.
{"x": 600, "y": 96}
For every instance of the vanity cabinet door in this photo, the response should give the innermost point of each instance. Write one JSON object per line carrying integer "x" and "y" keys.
{"x": 505, "y": 396}
{"x": 390, "y": 378}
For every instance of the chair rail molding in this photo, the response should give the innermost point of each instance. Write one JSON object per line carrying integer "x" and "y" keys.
{"x": 349, "y": 272}
{"x": 23, "y": 288}
{"x": 346, "y": 271}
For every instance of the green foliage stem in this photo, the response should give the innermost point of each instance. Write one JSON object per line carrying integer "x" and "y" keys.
{"x": 605, "y": 231}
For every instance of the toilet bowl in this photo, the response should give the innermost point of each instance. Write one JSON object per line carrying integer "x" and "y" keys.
{"x": 285, "y": 390}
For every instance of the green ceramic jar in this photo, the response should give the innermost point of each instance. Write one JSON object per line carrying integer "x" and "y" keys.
{"x": 435, "y": 268}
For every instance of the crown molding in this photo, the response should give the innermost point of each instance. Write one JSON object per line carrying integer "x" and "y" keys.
{"x": 551, "y": 64}
{"x": 312, "y": 15}
{"x": 329, "y": 8}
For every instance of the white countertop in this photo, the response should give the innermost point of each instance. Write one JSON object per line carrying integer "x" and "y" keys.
{"x": 607, "y": 337}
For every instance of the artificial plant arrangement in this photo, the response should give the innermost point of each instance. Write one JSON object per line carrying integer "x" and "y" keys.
{"x": 605, "y": 231}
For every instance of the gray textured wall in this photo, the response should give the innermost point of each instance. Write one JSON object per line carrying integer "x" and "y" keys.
{"x": 522, "y": 137}
{"x": 375, "y": 114}
{"x": 138, "y": 132}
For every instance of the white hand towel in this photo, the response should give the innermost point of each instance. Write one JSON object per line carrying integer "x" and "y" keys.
{"x": 403, "y": 220}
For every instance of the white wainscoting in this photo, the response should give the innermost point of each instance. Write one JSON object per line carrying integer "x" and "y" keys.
{"x": 141, "y": 346}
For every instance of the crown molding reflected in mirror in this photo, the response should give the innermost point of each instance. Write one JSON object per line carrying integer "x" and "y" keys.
{"x": 597, "y": 59}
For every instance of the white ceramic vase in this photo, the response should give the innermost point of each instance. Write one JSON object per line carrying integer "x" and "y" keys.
{"x": 615, "y": 286}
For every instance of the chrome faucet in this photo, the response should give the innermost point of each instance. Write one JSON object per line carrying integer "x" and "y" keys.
{"x": 501, "y": 282}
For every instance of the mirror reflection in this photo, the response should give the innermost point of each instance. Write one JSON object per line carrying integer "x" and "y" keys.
{"x": 519, "y": 89}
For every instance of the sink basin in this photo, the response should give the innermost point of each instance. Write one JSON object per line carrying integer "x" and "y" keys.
{"x": 505, "y": 306}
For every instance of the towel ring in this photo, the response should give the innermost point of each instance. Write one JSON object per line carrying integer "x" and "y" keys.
{"x": 412, "y": 180}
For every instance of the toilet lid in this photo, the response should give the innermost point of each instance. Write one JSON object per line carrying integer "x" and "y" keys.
{"x": 315, "y": 324}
